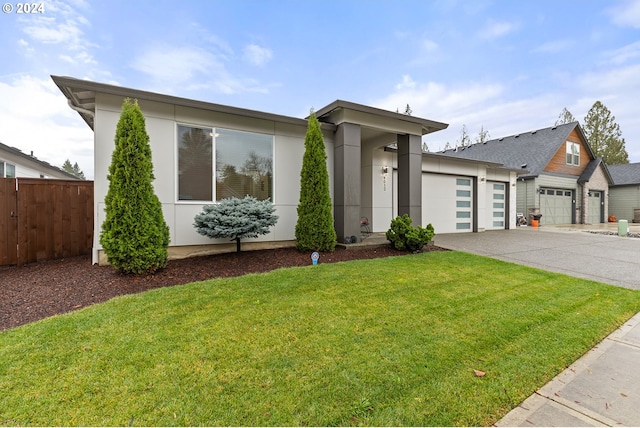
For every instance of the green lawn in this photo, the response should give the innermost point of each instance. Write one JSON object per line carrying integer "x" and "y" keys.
{"x": 374, "y": 342}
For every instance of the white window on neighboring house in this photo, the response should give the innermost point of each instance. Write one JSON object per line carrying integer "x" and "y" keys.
{"x": 216, "y": 163}
{"x": 7, "y": 170}
{"x": 573, "y": 153}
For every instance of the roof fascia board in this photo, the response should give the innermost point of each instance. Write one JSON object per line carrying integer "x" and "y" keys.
{"x": 427, "y": 126}
{"x": 66, "y": 83}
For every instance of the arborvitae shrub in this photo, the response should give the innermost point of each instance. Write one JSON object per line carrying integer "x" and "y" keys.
{"x": 134, "y": 234}
{"x": 315, "y": 230}
{"x": 236, "y": 219}
{"x": 403, "y": 236}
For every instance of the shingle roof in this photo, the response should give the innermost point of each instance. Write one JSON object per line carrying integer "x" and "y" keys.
{"x": 530, "y": 150}
{"x": 591, "y": 168}
{"x": 625, "y": 174}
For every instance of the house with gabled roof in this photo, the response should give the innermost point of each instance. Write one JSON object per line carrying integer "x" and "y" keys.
{"x": 16, "y": 164}
{"x": 624, "y": 193}
{"x": 203, "y": 152}
{"x": 561, "y": 179}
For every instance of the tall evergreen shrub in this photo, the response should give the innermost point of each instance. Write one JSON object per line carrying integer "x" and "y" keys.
{"x": 315, "y": 229}
{"x": 134, "y": 234}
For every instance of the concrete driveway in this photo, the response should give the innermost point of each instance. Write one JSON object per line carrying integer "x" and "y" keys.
{"x": 569, "y": 250}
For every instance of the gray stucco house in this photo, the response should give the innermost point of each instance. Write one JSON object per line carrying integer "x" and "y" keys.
{"x": 203, "y": 152}
{"x": 560, "y": 177}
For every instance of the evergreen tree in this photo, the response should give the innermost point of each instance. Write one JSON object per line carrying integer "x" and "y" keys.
{"x": 565, "y": 117}
{"x": 236, "y": 219}
{"x": 73, "y": 169}
{"x": 604, "y": 135}
{"x": 315, "y": 230}
{"x": 483, "y": 135}
{"x": 464, "y": 140}
{"x": 134, "y": 234}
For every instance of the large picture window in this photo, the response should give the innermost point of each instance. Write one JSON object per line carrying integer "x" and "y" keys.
{"x": 243, "y": 164}
{"x": 195, "y": 163}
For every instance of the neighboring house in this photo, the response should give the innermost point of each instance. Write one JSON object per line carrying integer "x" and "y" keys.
{"x": 561, "y": 179}
{"x": 14, "y": 163}
{"x": 203, "y": 152}
{"x": 624, "y": 193}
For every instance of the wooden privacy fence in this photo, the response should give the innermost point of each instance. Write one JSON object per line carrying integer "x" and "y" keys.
{"x": 44, "y": 219}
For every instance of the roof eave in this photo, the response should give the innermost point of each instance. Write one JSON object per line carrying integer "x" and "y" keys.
{"x": 65, "y": 84}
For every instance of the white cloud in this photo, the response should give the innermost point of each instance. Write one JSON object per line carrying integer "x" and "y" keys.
{"x": 502, "y": 109}
{"x": 407, "y": 83}
{"x": 176, "y": 65}
{"x": 435, "y": 99}
{"x": 494, "y": 29}
{"x": 624, "y": 54}
{"x": 554, "y": 46}
{"x": 61, "y": 26}
{"x": 38, "y": 119}
{"x": 429, "y": 45}
{"x": 188, "y": 68}
{"x": 626, "y": 14}
{"x": 257, "y": 55}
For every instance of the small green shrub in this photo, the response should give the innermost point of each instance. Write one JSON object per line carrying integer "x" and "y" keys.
{"x": 403, "y": 236}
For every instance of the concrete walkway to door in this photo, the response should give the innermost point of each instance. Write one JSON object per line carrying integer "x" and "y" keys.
{"x": 565, "y": 249}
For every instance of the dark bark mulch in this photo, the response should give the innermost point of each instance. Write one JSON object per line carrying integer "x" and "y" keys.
{"x": 40, "y": 290}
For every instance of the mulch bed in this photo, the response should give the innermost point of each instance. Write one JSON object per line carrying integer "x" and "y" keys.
{"x": 40, "y": 290}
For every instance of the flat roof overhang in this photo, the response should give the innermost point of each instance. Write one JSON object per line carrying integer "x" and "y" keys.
{"x": 81, "y": 97}
{"x": 341, "y": 111}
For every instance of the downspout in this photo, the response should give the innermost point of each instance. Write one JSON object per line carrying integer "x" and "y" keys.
{"x": 80, "y": 109}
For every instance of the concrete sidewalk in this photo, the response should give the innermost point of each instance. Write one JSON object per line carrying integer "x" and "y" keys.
{"x": 600, "y": 389}
{"x": 603, "y": 387}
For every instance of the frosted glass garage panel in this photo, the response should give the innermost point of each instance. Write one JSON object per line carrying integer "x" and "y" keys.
{"x": 447, "y": 203}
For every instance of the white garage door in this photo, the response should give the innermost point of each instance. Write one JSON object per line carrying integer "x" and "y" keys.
{"x": 596, "y": 203}
{"x": 447, "y": 203}
{"x": 556, "y": 206}
{"x": 495, "y": 205}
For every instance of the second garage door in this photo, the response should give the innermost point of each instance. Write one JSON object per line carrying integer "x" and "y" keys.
{"x": 496, "y": 205}
{"x": 556, "y": 206}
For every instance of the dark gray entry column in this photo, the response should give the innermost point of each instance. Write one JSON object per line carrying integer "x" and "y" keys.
{"x": 347, "y": 166}
{"x": 410, "y": 177}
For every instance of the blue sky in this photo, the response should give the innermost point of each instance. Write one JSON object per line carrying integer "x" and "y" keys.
{"x": 507, "y": 66}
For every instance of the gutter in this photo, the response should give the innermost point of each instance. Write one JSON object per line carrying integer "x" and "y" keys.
{"x": 80, "y": 109}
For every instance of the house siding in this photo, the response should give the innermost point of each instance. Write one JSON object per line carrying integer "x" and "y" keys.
{"x": 623, "y": 200}
{"x": 161, "y": 121}
{"x": 558, "y": 163}
{"x": 525, "y": 196}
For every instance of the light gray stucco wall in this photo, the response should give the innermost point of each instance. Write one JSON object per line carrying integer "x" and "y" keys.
{"x": 161, "y": 121}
